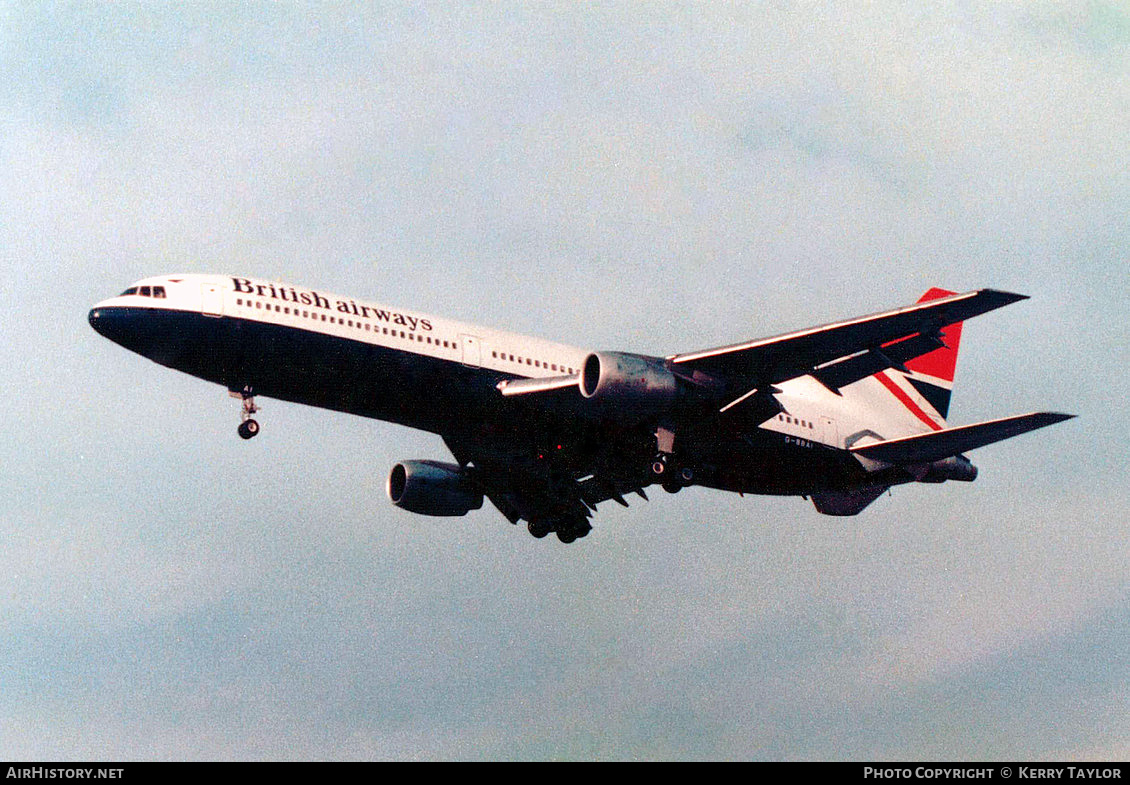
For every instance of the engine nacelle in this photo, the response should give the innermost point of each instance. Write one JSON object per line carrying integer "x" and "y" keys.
{"x": 957, "y": 467}
{"x": 433, "y": 488}
{"x": 629, "y": 383}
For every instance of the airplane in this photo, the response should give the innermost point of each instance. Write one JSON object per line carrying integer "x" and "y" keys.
{"x": 837, "y": 414}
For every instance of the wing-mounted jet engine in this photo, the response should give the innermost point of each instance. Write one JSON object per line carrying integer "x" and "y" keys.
{"x": 433, "y": 488}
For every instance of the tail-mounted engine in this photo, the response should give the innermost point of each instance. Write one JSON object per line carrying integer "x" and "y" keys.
{"x": 433, "y": 488}
{"x": 629, "y": 383}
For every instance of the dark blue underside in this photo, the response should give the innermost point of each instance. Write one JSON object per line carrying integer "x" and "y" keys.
{"x": 445, "y": 397}
{"x": 309, "y": 367}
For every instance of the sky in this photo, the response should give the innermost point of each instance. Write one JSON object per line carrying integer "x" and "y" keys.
{"x": 653, "y": 178}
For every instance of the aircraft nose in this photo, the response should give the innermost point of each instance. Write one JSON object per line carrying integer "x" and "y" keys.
{"x": 117, "y": 324}
{"x": 105, "y": 321}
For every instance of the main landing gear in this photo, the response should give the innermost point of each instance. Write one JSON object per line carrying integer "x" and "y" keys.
{"x": 568, "y": 529}
{"x": 671, "y": 476}
{"x": 248, "y": 427}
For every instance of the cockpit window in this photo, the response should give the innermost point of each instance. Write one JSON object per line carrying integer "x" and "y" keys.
{"x": 144, "y": 291}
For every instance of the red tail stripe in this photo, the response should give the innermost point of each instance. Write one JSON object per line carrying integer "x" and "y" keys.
{"x": 906, "y": 400}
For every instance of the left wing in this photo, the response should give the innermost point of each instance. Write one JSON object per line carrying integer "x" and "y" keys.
{"x": 555, "y": 489}
{"x": 860, "y": 345}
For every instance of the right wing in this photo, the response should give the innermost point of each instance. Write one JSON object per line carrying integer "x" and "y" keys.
{"x": 855, "y": 348}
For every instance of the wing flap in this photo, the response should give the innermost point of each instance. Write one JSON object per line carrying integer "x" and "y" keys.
{"x": 934, "y": 446}
{"x": 771, "y": 360}
{"x": 841, "y": 373}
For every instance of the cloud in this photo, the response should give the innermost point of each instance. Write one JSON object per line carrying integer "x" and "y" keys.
{"x": 653, "y": 181}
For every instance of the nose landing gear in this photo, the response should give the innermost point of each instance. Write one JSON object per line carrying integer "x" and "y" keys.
{"x": 248, "y": 427}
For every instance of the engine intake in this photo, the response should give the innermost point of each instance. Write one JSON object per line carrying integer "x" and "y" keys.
{"x": 629, "y": 383}
{"x": 433, "y": 488}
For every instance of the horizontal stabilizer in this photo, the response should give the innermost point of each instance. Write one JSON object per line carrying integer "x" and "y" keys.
{"x": 937, "y": 445}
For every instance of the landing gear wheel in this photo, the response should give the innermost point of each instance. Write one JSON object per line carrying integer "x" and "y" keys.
{"x": 248, "y": 429}
{"x": 570, "y": 531}
{"x": 538, "y": 528}
{"x": 675, "y": 480}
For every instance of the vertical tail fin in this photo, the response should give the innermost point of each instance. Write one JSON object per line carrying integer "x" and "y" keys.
{"x": 932, "y": 374}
